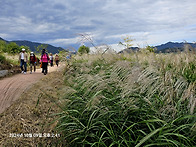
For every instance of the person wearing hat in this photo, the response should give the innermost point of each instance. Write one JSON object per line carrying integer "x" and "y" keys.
{"x": 23, "y": 58}
{"x": 32, "y": 62}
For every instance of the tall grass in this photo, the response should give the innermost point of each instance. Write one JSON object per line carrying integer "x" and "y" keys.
{"x": 2, "y": 59}
{"x": 141, "y": 99}
{"x": 5, "y": 58}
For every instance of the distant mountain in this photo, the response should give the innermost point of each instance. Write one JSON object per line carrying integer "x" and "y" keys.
{"x": 129, "y": 50}
{"x": 3, "y": 39}
{"x": 170, "y": 45}
{"x": 174, "y": 46}
{"x": 167, "y": 47}
{"x": 32, "y": 45}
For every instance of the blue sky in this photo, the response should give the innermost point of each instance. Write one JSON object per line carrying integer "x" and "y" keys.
{"x": 59, "y": 22}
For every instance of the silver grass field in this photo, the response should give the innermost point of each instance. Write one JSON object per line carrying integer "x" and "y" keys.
{"x": 137, "y": 99}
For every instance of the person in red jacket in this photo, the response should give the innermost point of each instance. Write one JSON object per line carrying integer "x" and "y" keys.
{"x": 32, "y": 62}
{"x": 44, "y": 60}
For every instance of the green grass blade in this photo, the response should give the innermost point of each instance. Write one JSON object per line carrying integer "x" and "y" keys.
{"x": 148, "y": 136}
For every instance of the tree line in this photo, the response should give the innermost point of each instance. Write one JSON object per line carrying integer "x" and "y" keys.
{"x": 11, "y": 47}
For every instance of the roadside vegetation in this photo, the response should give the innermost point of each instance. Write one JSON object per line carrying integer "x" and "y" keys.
{"x": 137, "y": 99}
{"x": 9, "y": 56}
{"x": 11, "y": 48}
{"x": 8, "y": 64}
{"x": 9, "y": 53}
{"x": 28, "y": 121}
{"x": 109, "y": 99}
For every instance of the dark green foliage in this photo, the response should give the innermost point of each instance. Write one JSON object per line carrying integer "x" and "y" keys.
{"x": 190, "y": 72}
{"x": 11, "y": 47}
{"x": 3, "y": 46}
{"x": 39, "y": 48}
{"x": 2, "y": 59}
{"x": 83, "y": 49}
{"x": 150, "y": 48}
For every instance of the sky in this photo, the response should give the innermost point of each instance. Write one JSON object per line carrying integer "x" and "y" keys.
{"x": 61, "y": 22}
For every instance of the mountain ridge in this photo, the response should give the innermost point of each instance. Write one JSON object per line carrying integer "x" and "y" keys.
{"x": 33, "y": 45}
{"x": 166, "y": 47}
{"x": 174, "y": 45}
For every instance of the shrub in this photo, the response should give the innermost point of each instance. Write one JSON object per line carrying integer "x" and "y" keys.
{"x": 3, "y": 46}
{"x": 83, "y": 49}
{"x": 13, "y": 48}
{"x": 2, "y": 59}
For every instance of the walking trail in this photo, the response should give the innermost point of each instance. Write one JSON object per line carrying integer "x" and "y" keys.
{"x": 12, "y": 87}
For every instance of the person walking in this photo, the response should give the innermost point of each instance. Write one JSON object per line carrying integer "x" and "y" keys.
{"x": 57, "y": 60}
{"x": 23, "y": 58}
{"x": 51, "y": 59}
{"x": 32, "y": 62}
{"x": 44, "y": 60}
{"x": 68, "y": 58}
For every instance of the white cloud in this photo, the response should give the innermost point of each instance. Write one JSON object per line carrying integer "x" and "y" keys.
{"x": 64, "y": 41}
{"x": 23, "y": 25}
{"x": 4, "y": 35}
{"x": 148, "y": 21}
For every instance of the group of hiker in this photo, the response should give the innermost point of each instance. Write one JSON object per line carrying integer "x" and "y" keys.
{"x": 33, "y": 60}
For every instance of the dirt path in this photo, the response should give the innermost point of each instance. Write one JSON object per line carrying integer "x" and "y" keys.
{"x": 11, "y": 88}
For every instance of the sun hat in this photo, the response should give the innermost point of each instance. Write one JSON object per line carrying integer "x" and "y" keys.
{"x": 23, "y": 49}
{"x": 31, "y": 53}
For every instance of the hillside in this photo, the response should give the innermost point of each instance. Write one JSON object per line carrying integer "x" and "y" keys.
{"x": 33, "y": 45}
{"x": 173, "y": 46}
{"x": 167, "y": 47}
{"x": 3, "y": 39}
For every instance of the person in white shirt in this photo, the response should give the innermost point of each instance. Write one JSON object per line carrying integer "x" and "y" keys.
{"x": 51, "y": 59}
{"x": 23, "y": 58}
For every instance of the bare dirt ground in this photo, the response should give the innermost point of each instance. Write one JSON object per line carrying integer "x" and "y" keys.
{"x": 11, "y": 88}
{"x": 30, "y": 103}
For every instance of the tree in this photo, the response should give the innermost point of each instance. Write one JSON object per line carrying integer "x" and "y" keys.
{"x": 127, "y": 41}
{"x": 83, "y": 49}
{"x": 40, "y": 47}
{"x": 3, "y": 46}
{"x": 13, "y": 48}
{"x": 150, "y": 49}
